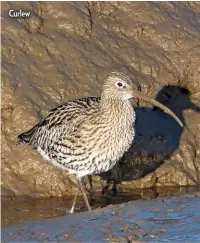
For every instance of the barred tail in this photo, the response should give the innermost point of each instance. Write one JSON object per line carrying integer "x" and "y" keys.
{"x": 26, "y": 137}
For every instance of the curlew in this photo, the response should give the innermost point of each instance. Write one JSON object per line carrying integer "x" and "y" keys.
{"x": 89, "y": 135}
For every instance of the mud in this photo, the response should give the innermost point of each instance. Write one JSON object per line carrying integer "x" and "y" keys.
{"x": 172, "y": 219}
{"x": 17, "y": 210}
{"x": 66, "y": 49}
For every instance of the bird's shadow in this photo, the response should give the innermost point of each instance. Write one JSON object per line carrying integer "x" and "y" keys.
{"x": 157, "y": 136}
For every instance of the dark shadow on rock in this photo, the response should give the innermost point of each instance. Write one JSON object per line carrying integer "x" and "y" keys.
{"x": 157, "y": 136}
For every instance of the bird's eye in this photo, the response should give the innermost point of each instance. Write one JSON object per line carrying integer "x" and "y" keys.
{"x": 119, "y": 84}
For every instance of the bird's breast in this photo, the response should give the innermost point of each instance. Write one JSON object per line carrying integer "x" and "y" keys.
{"x": 107, "y": 143}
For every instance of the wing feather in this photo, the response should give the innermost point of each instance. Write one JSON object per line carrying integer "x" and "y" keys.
{"x": 60, "y": 121}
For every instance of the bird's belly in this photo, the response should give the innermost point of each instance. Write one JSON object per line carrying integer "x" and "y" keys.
{"x": 77, "y": 167}
{"x": 47, "y": 157}
{"x": 111, "y": 154}
{"x": 99, "y": 158}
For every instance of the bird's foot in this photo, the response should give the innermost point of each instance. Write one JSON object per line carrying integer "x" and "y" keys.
{"x": 69, "y": 211}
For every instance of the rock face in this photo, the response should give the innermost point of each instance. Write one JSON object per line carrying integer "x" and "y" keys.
{"x": 65, "y": 50}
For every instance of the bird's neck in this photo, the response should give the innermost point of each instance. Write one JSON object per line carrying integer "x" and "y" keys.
{"x": 115, "y": 107}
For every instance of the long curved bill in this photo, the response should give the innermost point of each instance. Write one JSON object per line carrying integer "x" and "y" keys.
{"x": 141, "y": 96}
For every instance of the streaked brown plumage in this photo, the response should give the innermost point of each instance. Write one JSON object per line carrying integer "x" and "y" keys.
{"x": 88, "y": 136}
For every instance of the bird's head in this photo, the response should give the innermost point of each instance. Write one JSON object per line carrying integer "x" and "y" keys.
{"x": 118, "y": 86}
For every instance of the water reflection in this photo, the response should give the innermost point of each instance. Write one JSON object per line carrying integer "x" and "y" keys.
{"x": 18, "y": 210}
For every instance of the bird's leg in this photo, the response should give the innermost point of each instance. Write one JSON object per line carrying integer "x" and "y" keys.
{"x": 91, "y": 186}
{"x": 105, "y": 188}
{"x": 114, "y": 189}
{"x": 83, "y": 193}
{"x": 74, "y": 200}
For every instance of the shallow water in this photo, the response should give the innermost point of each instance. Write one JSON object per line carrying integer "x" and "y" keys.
{"x": 171, "y": 219}
{"x": 18, "y": 210}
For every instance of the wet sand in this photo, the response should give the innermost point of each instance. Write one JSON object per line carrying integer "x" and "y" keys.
{"x": 171, "y": 219}
{"x": 17, "y": 210}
